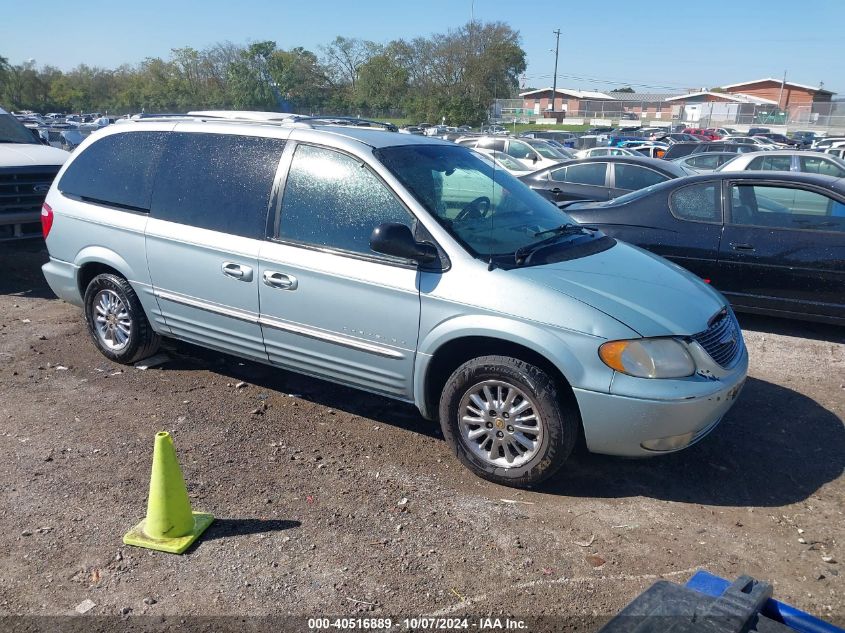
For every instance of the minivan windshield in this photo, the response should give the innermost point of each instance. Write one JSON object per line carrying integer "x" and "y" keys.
{"x": 491, "y": 213}
{"x": 12, "y": 131}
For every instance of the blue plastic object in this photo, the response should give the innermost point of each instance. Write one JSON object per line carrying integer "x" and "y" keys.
{"x": 711, "y": 585}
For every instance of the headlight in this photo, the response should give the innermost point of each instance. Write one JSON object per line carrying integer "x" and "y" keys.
{"x": 648, "y": 358}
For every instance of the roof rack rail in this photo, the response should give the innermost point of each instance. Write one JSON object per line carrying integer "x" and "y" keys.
{"x": 263, "y": 118}
{"x": 349, "y": 120}
{"x": 293, "y": 121}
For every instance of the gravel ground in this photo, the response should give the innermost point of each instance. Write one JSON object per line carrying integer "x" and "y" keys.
{"x": 335, "y": 502}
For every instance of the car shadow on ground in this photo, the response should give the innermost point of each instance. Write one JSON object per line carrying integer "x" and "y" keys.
{"x": 403, "y": 415}
{"x": 775, "y": 447}
{"x": 21, "y": 263}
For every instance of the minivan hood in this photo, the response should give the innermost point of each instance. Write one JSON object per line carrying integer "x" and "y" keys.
{"x": 647, "y": 293}
{"x": 20, "y": 155}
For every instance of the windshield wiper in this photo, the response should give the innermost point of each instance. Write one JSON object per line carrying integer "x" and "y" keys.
{"x": 524, "y": 253}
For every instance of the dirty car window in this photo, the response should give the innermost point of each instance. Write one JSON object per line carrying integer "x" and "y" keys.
{"x": 334, "y": 200}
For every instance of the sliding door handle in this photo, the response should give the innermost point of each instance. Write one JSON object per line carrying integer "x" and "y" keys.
{"x": 280, "y": 280}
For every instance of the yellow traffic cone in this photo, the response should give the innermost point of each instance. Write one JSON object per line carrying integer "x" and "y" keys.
{"x": 170, "y": 526}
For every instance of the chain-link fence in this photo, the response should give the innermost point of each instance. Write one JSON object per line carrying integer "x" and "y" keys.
{"x": 819, "y": 117}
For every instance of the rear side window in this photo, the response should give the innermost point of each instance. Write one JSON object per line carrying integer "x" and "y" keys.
{"x": 706, "y": 161}
{"x": 821, "y": 165}
{"x": 117, "y": 170}
{"x": 633, "y": 177}
{"x": 585, "y": 174}
{"x": 771, "y": 163}
{"x": 219, "y": 182}
{"x": 700, "y": 202}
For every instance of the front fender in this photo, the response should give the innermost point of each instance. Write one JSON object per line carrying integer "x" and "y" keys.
{"x": 573, "y": 353}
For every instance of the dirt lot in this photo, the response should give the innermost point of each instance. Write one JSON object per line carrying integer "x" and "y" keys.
{"x": 335, "y": 502}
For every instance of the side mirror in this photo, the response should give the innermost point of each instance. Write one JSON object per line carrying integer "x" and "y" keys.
{"x": 534, "y": 158}
{"x": 396, "y": 239}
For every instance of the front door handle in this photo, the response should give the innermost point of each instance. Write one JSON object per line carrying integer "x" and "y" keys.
{"x": 236, "y": 271}
{"x": 741, "y": 247}
{"x": 280, "y": 280}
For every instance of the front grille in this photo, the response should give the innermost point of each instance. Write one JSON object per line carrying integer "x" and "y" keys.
{"x": 722, "y": 340}
{"x": 22, "y": 192}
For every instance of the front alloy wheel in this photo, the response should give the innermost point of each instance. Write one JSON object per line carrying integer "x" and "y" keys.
{"x": 500, "y": 424}
{"x": 508, "y": 420}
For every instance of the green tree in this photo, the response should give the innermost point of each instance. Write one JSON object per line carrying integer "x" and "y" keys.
{"x": 300, "y": 77}
{"x": 382, "y": 84}
{"x": 344, "y": 56}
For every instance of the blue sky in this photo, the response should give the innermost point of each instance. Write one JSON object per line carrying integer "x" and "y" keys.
{"x": 662, "y": 45}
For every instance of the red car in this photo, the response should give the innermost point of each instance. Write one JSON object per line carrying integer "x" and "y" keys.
{"x": 710, "y": 134}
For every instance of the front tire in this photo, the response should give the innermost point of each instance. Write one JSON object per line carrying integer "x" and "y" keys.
{"x": 116, "y": 320}
{"x": 507, "y": 421}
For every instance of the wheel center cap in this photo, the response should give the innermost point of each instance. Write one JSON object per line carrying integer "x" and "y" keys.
{"x": 500, "y": 423}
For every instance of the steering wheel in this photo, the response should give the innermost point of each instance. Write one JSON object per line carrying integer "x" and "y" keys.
{"x": 475, "y": 210}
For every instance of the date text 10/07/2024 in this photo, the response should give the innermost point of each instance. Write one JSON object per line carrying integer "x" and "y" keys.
{"x": 417, "y": 624}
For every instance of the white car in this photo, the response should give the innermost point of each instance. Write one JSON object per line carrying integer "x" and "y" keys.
{"x": 604, "y": 151}
{"x": 503, "y": 161}
{"x": 767, "y": 141}
{"x": 532, "y": 157}
{"x": 650, "y": 149}
{"x": 826, "y": 143}
{"x": 787, "y": 160}
{"x": 28, "y": 167}
{"x": 704, "y": 162}
{"x": 762, "y": 143}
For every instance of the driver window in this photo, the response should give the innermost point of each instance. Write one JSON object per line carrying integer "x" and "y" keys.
{"x": 334, "y": 200}
{"x": 461, "y": 187}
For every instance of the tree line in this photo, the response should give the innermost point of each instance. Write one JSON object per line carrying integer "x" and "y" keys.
{"x": 454, "y": 75}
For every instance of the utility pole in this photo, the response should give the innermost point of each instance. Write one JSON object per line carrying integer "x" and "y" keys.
{"x": 554, "y": 85}
{"x": 780, "y": 96}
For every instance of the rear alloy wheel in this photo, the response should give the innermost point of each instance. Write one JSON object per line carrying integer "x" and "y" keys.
{"x": 506, "y": 420}
{"x": 116, "y": 320}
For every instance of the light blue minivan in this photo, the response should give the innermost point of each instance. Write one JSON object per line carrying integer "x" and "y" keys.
{"x": 405, "y": 266}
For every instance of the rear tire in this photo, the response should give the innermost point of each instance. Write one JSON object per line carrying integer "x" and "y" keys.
{"x": 507, "y": 421}
{"x": 116, "y": 320}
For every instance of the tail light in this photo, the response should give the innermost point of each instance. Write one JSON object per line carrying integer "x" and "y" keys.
{"x": 46, "y": 219}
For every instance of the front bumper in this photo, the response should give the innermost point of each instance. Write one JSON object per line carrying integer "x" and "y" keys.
{"x": 61, "y": 277}
{"x": 630, "y": 426}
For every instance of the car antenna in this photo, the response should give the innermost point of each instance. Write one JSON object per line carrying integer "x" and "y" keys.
{"x": 490, "y": 264}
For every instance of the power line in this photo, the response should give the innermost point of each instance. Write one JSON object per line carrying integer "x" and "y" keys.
{"x": 608, "y": 81}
